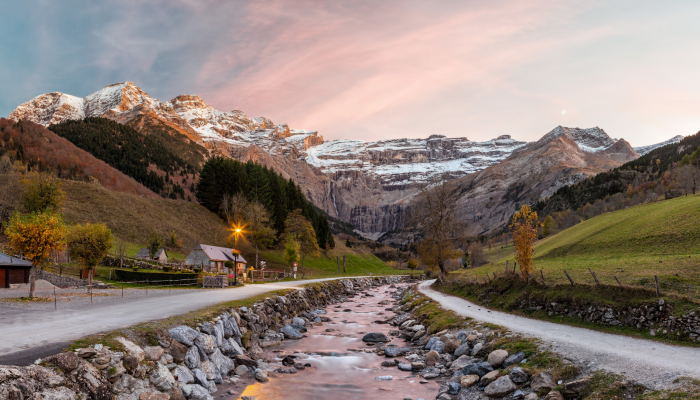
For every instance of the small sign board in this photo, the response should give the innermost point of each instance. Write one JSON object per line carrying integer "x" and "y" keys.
{"x": 295, "y": 269}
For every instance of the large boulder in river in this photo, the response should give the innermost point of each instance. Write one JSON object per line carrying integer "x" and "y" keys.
{"x": 184, "y": 334}
{"x": 375, "y": 338}
{"x": 396, "y": 351}
{"x": 290, "y": 333}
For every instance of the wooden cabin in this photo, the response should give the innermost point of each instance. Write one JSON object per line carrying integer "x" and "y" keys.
{"x": 13, "y": 271}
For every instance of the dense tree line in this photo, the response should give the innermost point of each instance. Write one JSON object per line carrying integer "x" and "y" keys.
{"x": 132, "y": 152}
{"x": 221, "y": 176}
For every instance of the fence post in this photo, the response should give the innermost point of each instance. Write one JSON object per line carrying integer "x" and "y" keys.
{"x": 55, "y": 304}
{"x": 506, "y": 266}
{"x": 618, "y": 281}
{"x": 656, "y": 280}
{"x": 542, "y": 275}
{"x": 515, "y": 264}
{"x": 594, "y": 277}
{"x": 570, "y": 280}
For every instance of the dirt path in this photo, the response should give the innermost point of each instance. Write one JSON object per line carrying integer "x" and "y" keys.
{"x": 36, "y": 329}
{"x": 653, "y": 364}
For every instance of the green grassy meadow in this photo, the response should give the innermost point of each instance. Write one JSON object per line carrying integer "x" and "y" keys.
{"x": 660, "y": 238}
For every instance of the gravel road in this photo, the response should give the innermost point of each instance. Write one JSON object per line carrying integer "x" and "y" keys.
{"x": 652, "y": 364}
{"x": 34, "y": 329}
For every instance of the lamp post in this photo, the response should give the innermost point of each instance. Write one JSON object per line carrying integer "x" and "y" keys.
{"x": 236, "y": 233}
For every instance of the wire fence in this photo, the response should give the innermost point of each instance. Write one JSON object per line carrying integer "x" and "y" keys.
{"x": 589, "y": 277}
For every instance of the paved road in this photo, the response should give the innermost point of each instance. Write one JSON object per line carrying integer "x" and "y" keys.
{"x": 44, "y": 332}
{"x": 653, "y": 364}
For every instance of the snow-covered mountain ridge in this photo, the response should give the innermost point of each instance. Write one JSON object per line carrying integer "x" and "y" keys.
{"x": 646, "y": 149}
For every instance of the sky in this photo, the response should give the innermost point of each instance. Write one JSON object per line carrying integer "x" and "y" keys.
{"x": 372, "y": 69}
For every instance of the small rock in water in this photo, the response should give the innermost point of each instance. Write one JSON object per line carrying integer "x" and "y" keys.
{"x": 261, "y": 376}
{"x": 389, "y": 363}
{"x": 384, "y": 378}
{"x": 299, "y": 366}
{"x": 375, "y": 337}
{"x": 405, "y": 367}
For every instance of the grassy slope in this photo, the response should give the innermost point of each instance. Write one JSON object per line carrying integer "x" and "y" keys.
{"x": 359, "y": 261}
{"x": 131, "y": 218}
{"x": 635, "y": 244}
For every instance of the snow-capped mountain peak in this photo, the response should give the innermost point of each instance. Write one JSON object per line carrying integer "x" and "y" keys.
{"x": 646, "y": 149}
{"x": 590, "y": 140}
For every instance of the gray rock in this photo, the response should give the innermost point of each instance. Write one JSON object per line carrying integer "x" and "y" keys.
{"x": 298, "y": 321}
{"x": 384, "y": 378}
{"x": 234, "y": 326}
{"x": 261, "y": 376}
{"x": 61, "y": 393}
{"x": 300, "y": 328}
{"x": 228, "y": 329}
{"x": 184, "y": 335}
{"x": 132, "y": 348}
{"x": 219, "y": 332}
{"x": 462, "y": 350}
{"x": 242, "y": 370}
{"x": 518, "y": 376}
{"x": 405, "y": 367}
{"x": 199, "y": 377}
{"x": 431, "y": 342}
{"x": 205, "y": 343}
{"x": 462, "y": 335}
{"x": 454, "y": 387}
{"x": 477, "y": 348}
{"x": 127, "y": 383}
{"x": 501, "y": 387}
{"x": 481, "y": 369}
{"x": 207, "y": 328}
{"x": 182, "y": 374}
{"x": 395, "y": 351}
{"x": 162, "y": 379}
{"x": 518, "y": 395}
{"x": 290, "y": 333}
{"x": 531, "y": 396}
{"x": 223, "y": 364}
{"x": 375, "y": 338}
{"x": 91, "y": 381}
{"x": 437, "y": 347}
{"x": 576, "y": 387}
{"x": 196, "y": 392}
{"x": 461, "y": 362}
{"x": 513, "y": 359}
{"x": 210, "y": 369}
{"x": 192, "y": 360}
{"x": 543, "y": 380}
{"x": 444, "y": 396}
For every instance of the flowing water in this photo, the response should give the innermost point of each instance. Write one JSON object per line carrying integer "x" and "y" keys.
{"x": 342, "y": 365}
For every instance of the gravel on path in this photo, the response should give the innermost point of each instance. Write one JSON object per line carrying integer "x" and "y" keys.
{"x": 653, "y": 364}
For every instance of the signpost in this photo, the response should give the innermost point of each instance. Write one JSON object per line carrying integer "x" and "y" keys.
{"x": 295, "y": 270}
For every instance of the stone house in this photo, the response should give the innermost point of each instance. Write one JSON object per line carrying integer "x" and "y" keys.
{"x": 143, "y": 254}
{"x": 212, "y": 258}
{"x": 161, "y": 256}
{"x": 13, "y": 271}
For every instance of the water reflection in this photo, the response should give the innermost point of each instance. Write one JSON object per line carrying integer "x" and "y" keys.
{"x": 340, "y": 367}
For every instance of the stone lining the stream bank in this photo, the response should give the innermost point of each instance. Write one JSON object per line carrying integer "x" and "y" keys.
{"x": 190, "y": 362}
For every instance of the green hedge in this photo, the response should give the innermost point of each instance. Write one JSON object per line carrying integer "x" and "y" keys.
{"x": 154, "y": 277}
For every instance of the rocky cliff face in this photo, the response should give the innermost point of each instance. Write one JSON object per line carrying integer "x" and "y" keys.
{"x": 369, "y": 184}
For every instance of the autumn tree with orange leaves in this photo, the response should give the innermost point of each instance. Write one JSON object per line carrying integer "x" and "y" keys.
{"x": 524, "y": 227}
{"x": 36, "y": 236}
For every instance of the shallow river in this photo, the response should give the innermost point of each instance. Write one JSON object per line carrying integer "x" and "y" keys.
{"x": 340, "y": 368}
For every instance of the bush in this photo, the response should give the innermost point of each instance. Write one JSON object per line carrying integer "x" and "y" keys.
{"x": 167, "y": 268}
{"x": 157, "y": 278}
{"x": 197, "y": 270}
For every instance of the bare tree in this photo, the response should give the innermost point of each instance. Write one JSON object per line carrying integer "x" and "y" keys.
{"x": 434, "y": 214}
{"x": 476, "y": 254}
{"x": 233, "y": 207}
{"x": 688, "y": 178}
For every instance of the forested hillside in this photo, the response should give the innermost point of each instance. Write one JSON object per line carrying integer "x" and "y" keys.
{"x": 222, "y": 176}
{"x": 43, "y": 150}
{"x": 655, "y": 174}
{"x": 160, "y": 158}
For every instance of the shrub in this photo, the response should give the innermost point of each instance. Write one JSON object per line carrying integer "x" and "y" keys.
{"x": 157, "y": 278}
{"x": 167, "y": 268}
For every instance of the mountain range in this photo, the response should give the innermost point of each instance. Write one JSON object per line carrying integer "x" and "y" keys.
{"x": 368, "y": 184}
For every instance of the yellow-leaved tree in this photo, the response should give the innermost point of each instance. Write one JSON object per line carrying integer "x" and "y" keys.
{"x": 524, "y": 227}
{"x": 89, "y": 244}
{"x": 35, "y": 236}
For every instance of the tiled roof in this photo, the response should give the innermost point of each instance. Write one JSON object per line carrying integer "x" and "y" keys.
{"x": 143, "y": 253}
